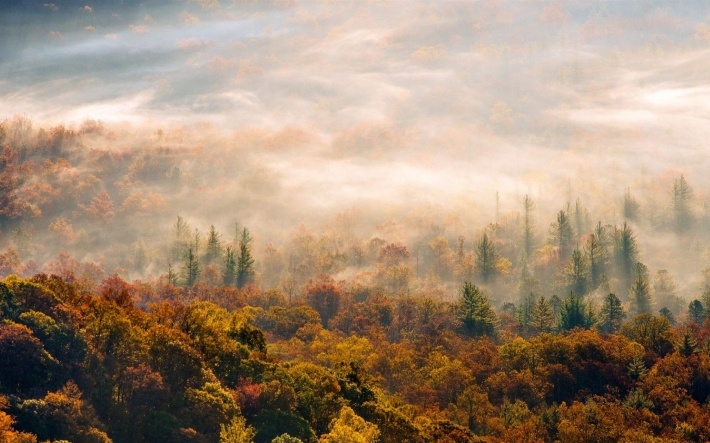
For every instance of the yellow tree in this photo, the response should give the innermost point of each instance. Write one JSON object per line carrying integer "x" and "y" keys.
{"x": 348, "y": 427}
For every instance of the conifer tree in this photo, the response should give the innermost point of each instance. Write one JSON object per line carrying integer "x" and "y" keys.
{"x": 475, "y": 312}
{"x": 562, "y": 235}
{"x": 696, "y": 312}
{"x": 625, "y": 254}
{"x": 213, "y": 249}
{"x": 191, "y": 268}
{"x": 640, "y": 295}
{"x": 578, "y": 273}
{"x": 528, "y": 206}
{"x": 575, "y": 313}
{"x": 230, "y": 267}
{"x": 598, "y": 255}
{"x": 543, "y": 317}
{"x": 630, "y": 207}
{"x": 245, "y": 262}
{"x": 611, "y": 314}
{"x": 486, "y": 258}
{"x": 682, "y": 214}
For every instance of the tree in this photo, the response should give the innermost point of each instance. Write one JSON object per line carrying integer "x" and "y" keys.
{"x": 181, "y": 242}
{"x": 696, "y": 312}
{"x": 665, "y": 291}
{"x": 475, "y": 312}
{"x": 625, "y": 254}
{"x": 237, "y": 431}
{"x": 213, "y": 251}
{"x": 191, "y": 268}
{"x": 562, "y": 235}
{"x": 611, "y": 315}
{"x": 682, "y": 213}
{"x": 581, "y": 218}
{"x": 575, "y": 313}
{"x": 598, "y": 255}
{"x": 640, "y": 295}
{"x": 630, "y": 207}
{"x": 486, "y": 259}
{"x": 578, "y": 273}
{"x": 528, "y": 206}
{"x": 230, "y": 268}
{"x": 245, "y": 262}
{"x": 543, "y": 317}
{"x": 650, "y": 331}
{"x": 348, "y": 427}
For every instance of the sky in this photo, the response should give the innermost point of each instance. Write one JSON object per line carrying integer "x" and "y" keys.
{"x": 387, "y": 104}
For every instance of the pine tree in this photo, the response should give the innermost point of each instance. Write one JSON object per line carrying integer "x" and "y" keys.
{"x": 181, "y": 242}
{"x": 581, "y": 218}
{"x": 696, "y": 312}
{"x": 667, "y": 314}
{"x": 611, "y": 315}
{"x": 172, "y": 275}
{"x": 486, "y": 258}
{"x": 524, "y": 313}
{"x": 598, "y": 255}
{"x": 640, "y": 295}
{"x": 213, "y": 250}
{"x": 625, "y": 254}
{"x": 475, "y": 312}
{"x": 665, "y": 291}
{"x": 682, "y": 214}
{"x": 191, "y": 268}
{"x": 704, "y": 286}
{"x": 687, "y": 345}
{"x": 630, "y": 206}
{"x": 562, "y": 235}
{"x": 245, "y": 262}
{"x": 543, "y": 317}
{"x": 575, "y": 313}
{"x": 528, "y": 206}
{"x": 578, "y": 273}
{"x": 230, "y": 267}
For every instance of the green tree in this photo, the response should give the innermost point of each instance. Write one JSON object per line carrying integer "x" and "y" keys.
{"x": 682, "y": 213}
{"x": 528, "y": 235}
{"x": 285, "y": 438}
{"x": 667, "y": 314}
{"x": 230, "y": 268}
{"x": 475, "y": 312}
{"x": 598, "y": 255}
{"x": 650, "y": 331}
{"x": 486, "y": 259}
{"x": 630, "y": 207}
{"x": 191, "y": 268}
{"x": 543, "y": 317}
{"x": 245, "y": 262}
{"x": 237, "y": 431}
{"x": 665, "y": 291}
{"x": 562, "y": 235}
{"x": 611, "y": 315}
{"x": 575, "y": 313}
{"x": 213, "y": 250}
{"x": 578, "y": 275}
{"x": 581, "y": 218}
{"x": 640, "y": 295}
{"x": 687, "y": 345}
{"x": 625, "y": 254}
{"x": 181, "y": 241}
{"x": 696, "y": 312}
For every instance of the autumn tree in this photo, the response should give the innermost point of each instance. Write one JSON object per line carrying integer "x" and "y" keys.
{"x": 696, "y": 312}
{"x": 475, "y": 312}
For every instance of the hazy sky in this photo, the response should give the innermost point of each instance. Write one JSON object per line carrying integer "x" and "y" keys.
{"x": 386, "y": 101}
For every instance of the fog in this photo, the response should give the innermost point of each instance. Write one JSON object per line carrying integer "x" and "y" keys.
{"x": 397, "y": 115}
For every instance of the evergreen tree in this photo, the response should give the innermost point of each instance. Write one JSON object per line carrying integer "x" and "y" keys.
{"x": 556, "y": 304}
{"x": 578, "y": 273}
{"x": 668, "y": 315}
{"x": 245, "y": 262}
{"x": 562, "y": 235}
{"x": 598, "y": 255}
{"x": 486, "y": 258}
{"x": 682, "y": 214}
{"x": 172, "y": 275}
{"x": 696, "y": 312}
{"x": 666, "y": 291}
{"x": 637, "y": 367}
{"x": 581, "y": 218}
{"x": 630, "y": 206}
{"x": 625, "y": 254}
{"x": 611, "y": 315}
{"x": 191, "y": 268}
{"x": 213, "y": 250}
{"x": 181, "y": 242}
{"x": 524, "y": 313}
{"x": 543, "y": 316}
{"x": 475, "y": 312}
{"x": 704, "y": 287}
{"x": 575, "y": 313}
{"x": 528, "y": 206}
{"x": 230, "y": 267}
{"x": 687, "y": 344}
{"x": 527, "y": 282}
{"x": 640, "y": 295}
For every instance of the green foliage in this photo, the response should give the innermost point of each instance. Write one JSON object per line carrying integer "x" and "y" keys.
{"x": 640, "y": 295}
{"x": 576, "y": 313}
{"x": 486, "y": 259}
{"x": 245, "y": 262}
{"x": 230, "y": 268}
{"x": 562, "y": 235}
{"x": 652, "y": 332}
{"x": 611, "y": 314}
{"x": 475, "y": 312}
{"x": 625, "y": 254}
{"x": 696, "y": 312}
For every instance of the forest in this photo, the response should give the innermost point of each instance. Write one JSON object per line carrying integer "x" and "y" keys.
{"x": 128, "y": 318}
